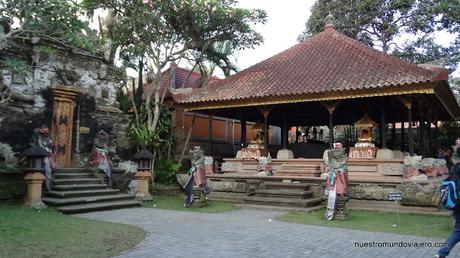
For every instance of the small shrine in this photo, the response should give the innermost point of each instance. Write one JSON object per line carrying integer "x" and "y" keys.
{"x": 365, "y": 147}
{"x": 365, "y": 135}
{"x": 255, "y": 148}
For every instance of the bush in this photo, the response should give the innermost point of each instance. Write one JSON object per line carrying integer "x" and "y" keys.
{"x": 165, "y": 171}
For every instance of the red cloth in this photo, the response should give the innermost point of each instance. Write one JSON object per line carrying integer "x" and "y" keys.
{"x": 96, "y": 157}
{"x": 411, "y": 171}
{"x": 200, "y": 176}
{"x": 341, "y": 182}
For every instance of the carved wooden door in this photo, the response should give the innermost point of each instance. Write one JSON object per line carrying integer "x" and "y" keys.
{"x": 62, "y": 125}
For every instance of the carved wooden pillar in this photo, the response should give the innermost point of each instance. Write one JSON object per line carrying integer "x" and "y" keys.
{"x": 265, "y": 112}
{"x": 330, "y": 107}
{"x": 62, "y": 124}
{"x": 408, "y": 104}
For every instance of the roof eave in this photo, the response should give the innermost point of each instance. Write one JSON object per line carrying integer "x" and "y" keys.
{"x": 418, "y": 88}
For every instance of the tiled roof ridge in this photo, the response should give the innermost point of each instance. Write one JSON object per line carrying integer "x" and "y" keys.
{"x": 373, "y": 52}
{"x": 349, "y": 51}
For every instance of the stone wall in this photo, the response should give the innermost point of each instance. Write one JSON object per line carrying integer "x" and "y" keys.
{"x": 52, "y": 66}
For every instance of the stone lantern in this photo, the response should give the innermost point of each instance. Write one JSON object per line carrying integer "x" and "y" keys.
{"x": 34, "y": 178}
{"x": 144, "y": 161}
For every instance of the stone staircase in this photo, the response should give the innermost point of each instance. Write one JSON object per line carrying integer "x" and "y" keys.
{"x": 78, "y": 190}
{"x": 283, "y": 194}
{"x": 308, "y": 169}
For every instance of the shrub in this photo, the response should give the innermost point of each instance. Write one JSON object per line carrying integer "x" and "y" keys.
{"x": 165, "y": 171}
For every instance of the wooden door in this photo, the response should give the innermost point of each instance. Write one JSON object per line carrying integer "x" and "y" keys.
{"x": 62, "y": 124}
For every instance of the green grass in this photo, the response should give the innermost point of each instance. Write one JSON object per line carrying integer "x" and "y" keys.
{"x": 48, "y": 233}
{"x": 411, "y": 224}
{"x": 177, "y": 203}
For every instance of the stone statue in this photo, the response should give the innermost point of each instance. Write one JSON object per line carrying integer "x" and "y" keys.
{"x": 41, "y": 137}
{"x": 196, "y": 176}
{"x": 264, "y": 166}
{"x": 100, "y": 156}
{"x": 337, "y": 183}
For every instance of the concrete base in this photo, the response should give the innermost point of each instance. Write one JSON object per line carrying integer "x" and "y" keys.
{"x": 34, "y": 181}
{"x": 143, "y": 197}
{"x": 143, "y": 193}
{"x": 199, "y": 200}
{"x": 38, "y": 205}
{"x": 285, "y": 154}
{"x": 384, "y": 154}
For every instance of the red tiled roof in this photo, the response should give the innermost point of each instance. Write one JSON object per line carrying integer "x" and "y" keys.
{"x": 326, "y": 62}
{"x": 174, "y": 78}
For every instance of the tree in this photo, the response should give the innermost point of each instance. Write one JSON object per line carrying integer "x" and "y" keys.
{"x": 384, "y": 23}
{"x": 58, "y": 20}
{"x": 160, "y": 32}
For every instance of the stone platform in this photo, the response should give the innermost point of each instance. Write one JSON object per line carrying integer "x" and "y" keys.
{"x": 357, "y": 168}
{"x": 236, "y": 187}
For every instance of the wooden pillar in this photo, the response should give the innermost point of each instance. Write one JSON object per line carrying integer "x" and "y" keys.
{"x": 430, "y": 143}
{"x": 403, "y": 137}
{"x": 421, "y": 130}
{"x": 383, "y": 132}
{"x": 243, "y": 140}
{"x": 284, "y": 132}
{"x": 436, "y": 142}
{"x": 331, "y": 131}
{"x": 330, "y": 107}
{"x": 210, "y": 118}
{"x": 265, "y": 112}
{"x": 408, "y": 104}
{"x": 393, "y": 135}
{"x": 266, "y": 132}
{"x": 296, "y": 134}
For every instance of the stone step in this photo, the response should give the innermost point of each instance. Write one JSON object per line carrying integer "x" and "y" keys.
{"x": 283, "y": 201}
{"x": 76, "y": 181}
{"x": 301, "y": 166}
{"x": 281, "y": 185}
{"x": 98, "y": 206}
{"x": 298, "y": 173}
{"x": 71, "y": 170}
{"x": 227, "y": 197}
{"x": 86, "y": 199}
{"x": 79, "y": 187}
{"x": 63, "y": 175}
{"x": 82, "y": 193}
{"x": 286, "y": 193}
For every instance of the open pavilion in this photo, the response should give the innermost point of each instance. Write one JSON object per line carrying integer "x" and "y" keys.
{"x": 329, "y": 79}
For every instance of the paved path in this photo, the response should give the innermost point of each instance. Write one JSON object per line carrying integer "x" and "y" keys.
{"x": 251, "y": 233}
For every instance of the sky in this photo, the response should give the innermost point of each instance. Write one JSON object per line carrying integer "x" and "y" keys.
{"x": 286, "y": 21}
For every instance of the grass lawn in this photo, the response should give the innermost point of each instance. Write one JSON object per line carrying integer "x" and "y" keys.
{"x": 411, "y": 224}
{"x": 177, "y": 203}
{"x": 48, "y": 233}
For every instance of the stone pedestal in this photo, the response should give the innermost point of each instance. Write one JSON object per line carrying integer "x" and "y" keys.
{"x": 143, "y": 193}
{"x": 34, "y": 181}
{"x": 285, "y": 154}
{"x": 384, "y": 154}
{"x": 199, "y": 198}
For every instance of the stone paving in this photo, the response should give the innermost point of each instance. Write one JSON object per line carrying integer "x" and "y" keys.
{"x": 252, "y": 233}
